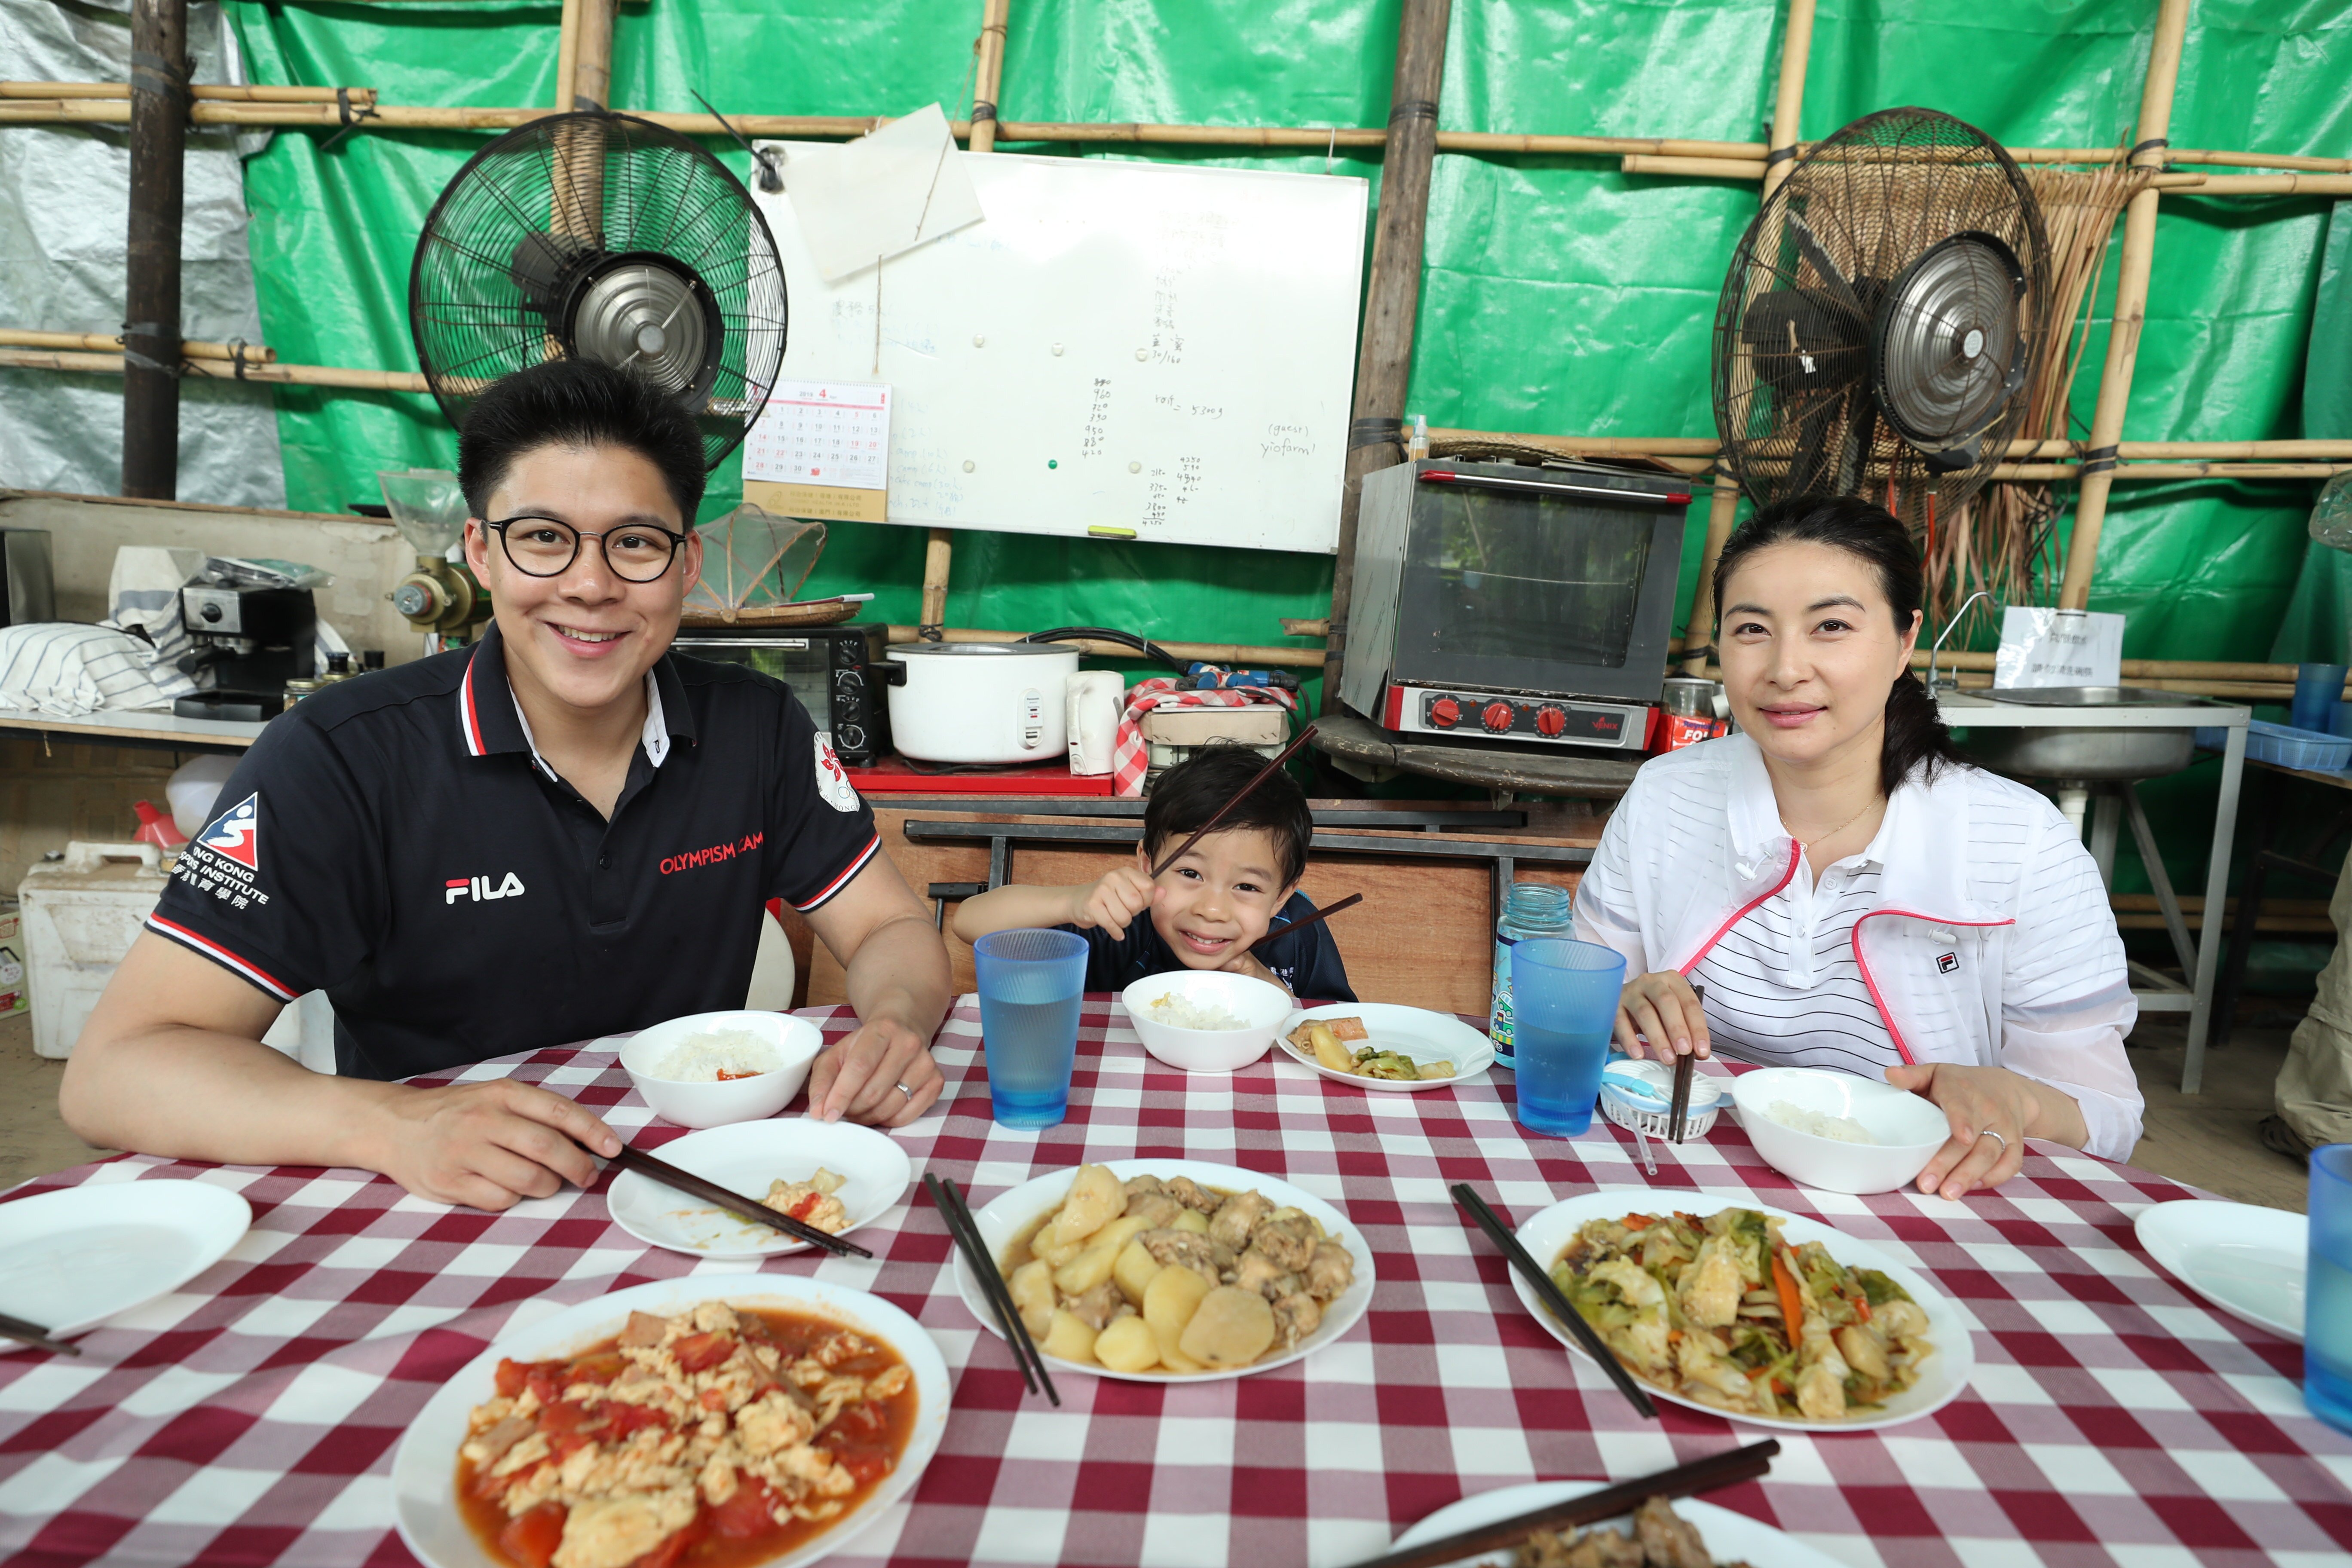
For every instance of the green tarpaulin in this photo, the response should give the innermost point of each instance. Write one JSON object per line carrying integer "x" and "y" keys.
{"x": 1560, "y": 294}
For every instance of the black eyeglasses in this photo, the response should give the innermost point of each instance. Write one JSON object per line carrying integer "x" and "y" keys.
{"x": 542, "y": 547}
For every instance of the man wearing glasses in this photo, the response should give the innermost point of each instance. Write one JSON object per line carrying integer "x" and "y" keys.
{"x": 561, "y": 832}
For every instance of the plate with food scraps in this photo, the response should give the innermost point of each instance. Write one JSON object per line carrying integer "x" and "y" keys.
{"x": 880, "y": 1436}
{"x": 1414, "y": 1034}
{"x": 2251, "y": 1262}
{"x": 834, "y": 1174}
{"x": 71, "y": 1259}
{"x": 1010, "y": 1223}
{"x": 1941, "y": 1374}
{"x": 1724, "y": 1537}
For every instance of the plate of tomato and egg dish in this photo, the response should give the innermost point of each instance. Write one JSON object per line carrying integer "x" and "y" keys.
{"x": 1171, "y": 1270}
{"x": 1691, "y": 1291}
{"x": 714, "y": 1421}
{"x": 1384, "y": 1046}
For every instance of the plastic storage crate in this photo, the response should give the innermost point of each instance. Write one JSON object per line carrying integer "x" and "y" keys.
{"x": 2284, "y": 746}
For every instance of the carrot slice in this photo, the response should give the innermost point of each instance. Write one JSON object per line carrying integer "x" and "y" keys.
{"x": 1792, "y": 1302}
{"x": 1639, "y": 1221}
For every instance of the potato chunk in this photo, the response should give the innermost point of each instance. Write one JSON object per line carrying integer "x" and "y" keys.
{"x": 1096, "y": 1199}
{"x": 1232, "y": 1327}
{"x": 1128, "y": 1345}
{"x": 1032, "y": 1285}
{"x": 1134, "y": 1269}
{"x": 1167, "y": 1305}
{"x": 1068, "y": 1338}
{"x": 1192, "y": 1220}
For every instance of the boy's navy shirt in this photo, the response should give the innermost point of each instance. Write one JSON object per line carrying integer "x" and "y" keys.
{"x": 1308, "y": 963}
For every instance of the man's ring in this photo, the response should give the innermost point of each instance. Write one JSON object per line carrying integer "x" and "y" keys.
{"x": 1988, "y": 1132}
{"x": 910, "y": 1098}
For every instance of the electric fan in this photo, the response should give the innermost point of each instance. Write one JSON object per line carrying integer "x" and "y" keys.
{"x": 1882, "y": 318}
{"x": 607, "y": 238}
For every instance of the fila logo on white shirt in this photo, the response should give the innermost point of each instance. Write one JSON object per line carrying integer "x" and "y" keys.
{"x": 1947, "y": 962}
{"x": 480, "y": 888}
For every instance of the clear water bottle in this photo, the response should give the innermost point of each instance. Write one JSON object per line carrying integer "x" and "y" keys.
{"x": 2331, "y": 517}
{"x": 1529, "y": 910}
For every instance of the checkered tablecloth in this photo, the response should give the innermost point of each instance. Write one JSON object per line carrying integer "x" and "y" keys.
{"x": 2114, "y": 1417}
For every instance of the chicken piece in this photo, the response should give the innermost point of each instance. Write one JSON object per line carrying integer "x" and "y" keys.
{"x": 1296, "y": 1316}
{"x": 1862, "y": 1352}
{"x": 1289, "y": 1242}
{"x": 1192, "y": 1196}
{"x": 644, "y": 1329}
{"x": 1899, "y": 1319}
{"x": 1137, "y": 1186}
{"x": 1257, "y": 1272}
{"x": 1820, "y": 1391}
{"x": 1603, "y": 1547}
{"x": 1156, "y": 1210}
{"x": 613, "y": 1532}
{"x": 1098, "y": 1306}
{"x": 1710, "y": 1287}
{"x": 1669, "y": 1539}
{"x": 1182, "y": 1249}
{"x": 1237, "y": 1217}
{"x": 1328, "y": 1273}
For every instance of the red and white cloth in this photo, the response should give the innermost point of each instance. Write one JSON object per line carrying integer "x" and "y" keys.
{"x": 1131, "y": 759}
{"x": 2114, "y": 1419}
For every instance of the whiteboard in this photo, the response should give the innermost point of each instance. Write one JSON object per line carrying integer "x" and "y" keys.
{"x": 1128, "y": 347}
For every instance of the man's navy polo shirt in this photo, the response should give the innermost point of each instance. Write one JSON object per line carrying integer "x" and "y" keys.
{"x": 397, "y": 842}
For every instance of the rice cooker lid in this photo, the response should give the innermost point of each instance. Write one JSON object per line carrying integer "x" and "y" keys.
{"x": 982, "y": 650}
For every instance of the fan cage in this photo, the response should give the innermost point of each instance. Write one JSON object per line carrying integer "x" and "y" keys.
{"x": 1794, "y": 340}
{"x": 533, "y": 216}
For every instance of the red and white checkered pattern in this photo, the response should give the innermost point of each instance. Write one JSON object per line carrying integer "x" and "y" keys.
{"x": 2114, "y": 1417}
{"x": 1130, "y": 756}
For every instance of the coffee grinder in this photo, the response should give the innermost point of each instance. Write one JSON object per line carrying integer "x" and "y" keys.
{"x": 440, "y": 597}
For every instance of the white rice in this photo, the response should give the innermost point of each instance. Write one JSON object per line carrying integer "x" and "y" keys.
{"x": 701, "y": 1058}
{"x": 1820, "y": 1123}
{"x": 1183, "y": 1012}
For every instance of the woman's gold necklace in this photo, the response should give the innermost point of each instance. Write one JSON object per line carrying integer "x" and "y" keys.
{"x": 1841, "y": 827}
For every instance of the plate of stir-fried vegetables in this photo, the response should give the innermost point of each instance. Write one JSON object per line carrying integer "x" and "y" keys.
{"x": 1696, "y": 1294}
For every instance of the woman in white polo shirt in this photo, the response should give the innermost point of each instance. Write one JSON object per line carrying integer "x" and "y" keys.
{"x": 1846, "y": 891}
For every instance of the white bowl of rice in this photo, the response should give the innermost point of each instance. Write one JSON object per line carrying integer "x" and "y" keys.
{"x": 712, "y": 1070}
{"x": 1837, "y": 1131}
{"x": 1204, "y": 1020}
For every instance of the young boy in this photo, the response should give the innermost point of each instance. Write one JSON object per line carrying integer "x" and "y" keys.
{"x": 1208, "y": 911}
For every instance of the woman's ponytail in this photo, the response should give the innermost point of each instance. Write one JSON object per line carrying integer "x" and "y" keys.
{"x": 1916, "y": 740}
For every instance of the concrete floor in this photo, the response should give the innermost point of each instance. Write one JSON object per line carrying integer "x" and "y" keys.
{"x": 2208, "y": 1140}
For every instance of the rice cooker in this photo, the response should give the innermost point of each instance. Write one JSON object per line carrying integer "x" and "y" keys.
{"x": 980, "y": 702}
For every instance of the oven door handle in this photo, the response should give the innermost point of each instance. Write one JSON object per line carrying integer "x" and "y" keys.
{"x": 1555, "y": 486}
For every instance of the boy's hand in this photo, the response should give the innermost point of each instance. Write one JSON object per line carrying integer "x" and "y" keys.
{"x": 1245, "y": 963}
{"x": 1120, "y": 895}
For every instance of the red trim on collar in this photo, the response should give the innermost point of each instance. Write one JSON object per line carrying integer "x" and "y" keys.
{"x": 470, "y": 722}
{"x": 1871, "y": 985}
{"x": 1796, "y": 852}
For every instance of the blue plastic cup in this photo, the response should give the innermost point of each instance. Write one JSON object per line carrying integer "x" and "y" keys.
{"x": 1564, "y": 998}
{"x": 2328, "y": 1289}
{"x": 1031, "y": 981}
{"x": 2318, "y": 692}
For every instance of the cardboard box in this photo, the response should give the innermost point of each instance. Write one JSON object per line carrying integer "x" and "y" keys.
{"x": 14, "y": 998}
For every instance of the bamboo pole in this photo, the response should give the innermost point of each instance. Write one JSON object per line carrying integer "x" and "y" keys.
{"x": 2019, "y": 451}
{"x": 1207, "y": 652}
{"x": 2131, "y": 304}
{"x": 203, "y": 92}
{"x": 275, "y": 373}
{"x": 100, "y": 342}
{"x": 158, "y": 111}
{"x": 1699, "y": 630}
{"x": 592, "y": 69}
{"x": 2178, "y": 180}
{"x": 1789, "y": 103}
{"x": 567, "y": 57}
{"x": 1393, "y": 293}
{"x": 987, "y": 74}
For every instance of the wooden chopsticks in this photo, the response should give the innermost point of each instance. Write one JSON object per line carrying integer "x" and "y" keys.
{"x": 1685, "y": 1069}
{"x": 1317, "y": 918}
{"x": 632, "y": 1158}
{"x": 1726, "y": 1469}
{"x": 1240, "y": 795}
{"x": 34, "y": 1334}
{"x": 966, "y": 1231}
{"x": 1550, "y": 1295}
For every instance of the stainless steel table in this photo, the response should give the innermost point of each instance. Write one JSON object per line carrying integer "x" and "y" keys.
{"x": 1968, "y": 710}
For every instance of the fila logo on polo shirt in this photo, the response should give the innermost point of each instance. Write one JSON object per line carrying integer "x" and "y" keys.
{"x": 480, "y": 888}
{"x": 238, "y": 834}
{"x": 1947, "y": 962}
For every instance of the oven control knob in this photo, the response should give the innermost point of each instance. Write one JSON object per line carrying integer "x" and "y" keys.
{"x": 1552, "y": 720}
{"x": 1446, "y": 712}
{"x": 849, "y": 681}
{"x": 851, "y": 738}
{"x": 1497, "y": 716}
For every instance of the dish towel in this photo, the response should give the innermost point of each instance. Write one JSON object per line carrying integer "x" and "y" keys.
{"x": 1132, "y": 758}
{"x": 70, "y": 671}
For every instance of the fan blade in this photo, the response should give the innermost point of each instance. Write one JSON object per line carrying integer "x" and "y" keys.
{"x": 1810, "y": 246}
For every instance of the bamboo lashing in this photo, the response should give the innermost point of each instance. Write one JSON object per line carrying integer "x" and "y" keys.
{"x": 2130, "y": 312}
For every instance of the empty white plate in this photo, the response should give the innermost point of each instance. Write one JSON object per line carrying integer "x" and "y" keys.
{"x": 745, "y": 1157}
{"x": 1416, "y": 1032}
{"x": 2248, "y": 1262}
{"x": 1730, "y": 1537}
{"x": 70, "y": 1260}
